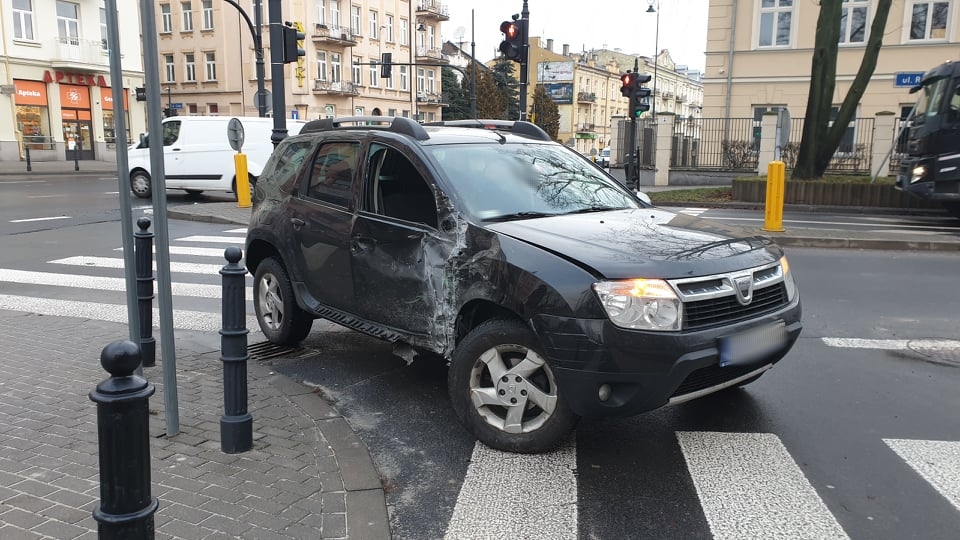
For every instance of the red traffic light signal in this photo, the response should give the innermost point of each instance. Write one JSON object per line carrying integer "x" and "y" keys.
{"x": 511, "y": 30}
{"x": 626, "y": 84}
{"x": 512, "y": 44}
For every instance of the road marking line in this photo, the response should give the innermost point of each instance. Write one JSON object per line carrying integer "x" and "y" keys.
{"x": 938, "y": 462}
{"x": 894, "y": 344}
{"x": 750, "y": 487}
{"x": 38, "y": 219}
{"x": 106, "y": 262}
{"x": 507, "y": 495}
{"x": 196, "y": 290}
{"x": 224, "y": 239}
{"x": 238, "y": 231}
{"x": 201, "y": 252}
{"x": 182, "y": 319}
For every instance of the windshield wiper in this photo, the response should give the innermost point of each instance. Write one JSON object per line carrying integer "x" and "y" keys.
{"x": 590, "y": 209}
{"x": 519, "y": 215}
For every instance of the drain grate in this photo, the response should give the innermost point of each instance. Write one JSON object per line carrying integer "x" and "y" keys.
{"x": 266, "y": 350}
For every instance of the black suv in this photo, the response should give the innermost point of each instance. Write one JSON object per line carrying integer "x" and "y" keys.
{"x": 552, "y": 290}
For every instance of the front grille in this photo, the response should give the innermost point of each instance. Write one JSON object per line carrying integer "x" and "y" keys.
{"x": 710, "y": 376}
{"x": 726, "y": 309}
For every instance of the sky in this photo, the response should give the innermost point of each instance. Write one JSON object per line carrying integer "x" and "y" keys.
{"x": 588, "y": 24}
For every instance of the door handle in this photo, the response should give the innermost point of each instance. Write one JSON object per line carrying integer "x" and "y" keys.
{"x": 297, "y": 223}
{"x": 174, "y": 149}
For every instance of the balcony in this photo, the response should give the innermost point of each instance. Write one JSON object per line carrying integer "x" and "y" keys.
{"x": 79, "y": 55}
{"x": 681, "y": 98}
{"x": 430, "y": 56}
{"x": 586, "y": 128}
{"x": 431, "y": 98}
{"x": 338, "y": 88}
{"x": 586, "y": 97}
{"x": 336, "y": 35}
{"x": 431, "y": 9}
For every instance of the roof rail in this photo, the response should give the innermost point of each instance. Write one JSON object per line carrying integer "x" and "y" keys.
{"x": 520, "y": 127}
{"x": 397, "y": 124}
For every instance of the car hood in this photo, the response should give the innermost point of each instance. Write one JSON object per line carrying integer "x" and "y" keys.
{"x": 644, "y": 242}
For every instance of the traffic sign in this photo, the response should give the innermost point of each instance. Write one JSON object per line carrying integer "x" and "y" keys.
{"x": 235, "y": 134}
{"x": 908, "y": 79}
{"x": 176, "y": 105}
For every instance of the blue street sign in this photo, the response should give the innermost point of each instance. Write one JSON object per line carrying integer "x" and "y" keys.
{"x": 908, "y": 79}
{"x": 294, "y": 114}
{"x": 176, "y": 105}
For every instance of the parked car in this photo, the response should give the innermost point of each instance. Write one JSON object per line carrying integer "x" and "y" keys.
{"x": 603, "y": 158}
{"x": 197, "y": 155}
{"x": 553, "y": 292}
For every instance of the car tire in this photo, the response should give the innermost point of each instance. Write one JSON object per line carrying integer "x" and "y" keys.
{"x": 504, "y": 391}
{"x": 281, "y": 319}
{"x": 140, "y": 184}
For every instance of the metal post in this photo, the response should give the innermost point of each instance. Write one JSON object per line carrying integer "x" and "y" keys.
{"x": 236, "y": 424}
{"x": 26, "y": 149}
{"x": 143, "y": 246}
{"x": 126, "y": 507}
{"x": 76, "y": 154}
{"x": 275, "y": 18}
{"x": 525, "y": 57}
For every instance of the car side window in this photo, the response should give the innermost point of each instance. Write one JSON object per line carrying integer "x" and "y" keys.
{"x": 332, "y": 173}
{"x": 171, "y": 132}
{"x": 394, "y": 188}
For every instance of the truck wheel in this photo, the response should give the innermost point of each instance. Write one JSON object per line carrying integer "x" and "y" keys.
{"x": 279, "y": 316}
{"x": 504, "y": 392}
{"x": 140, "y": 183}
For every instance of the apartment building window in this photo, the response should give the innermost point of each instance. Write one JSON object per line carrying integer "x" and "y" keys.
{"x": 853, "y": 21}
{"x": 847, "y": 142}
{"x": 390, "y": 84}
{"x": 321, "y": 12}
{"x": 166, "y": 19}
{"x": 68, "y": 23}
{"x": 374, "y": 76}
{"x": 374, "y": 25}
{"x": 169, "y": 68}
{"x": 389, "y": 28}
{"x": 431, "y": 82}
{"x": 404, "y": 79}
{"x": 213, "y": 109}
{"x": 928, "y": 20}
{"x": 776, "y": 17}
{"x": 23, "y": 19}
{"x": 322, "y": 65}
{"x": 355, "y": 20}
{"x": 187, "y": 16}
{"x": 404, "y": 32}
{"x": 335, "y": 13}
{"x": 357, "y": 76}
{"x": 189, "y": 67}
{"x": 336, "y": 68}
{"x": 103, "y": 30}
{"x": 210, "y": 65}
{"x": 207, "y": 14}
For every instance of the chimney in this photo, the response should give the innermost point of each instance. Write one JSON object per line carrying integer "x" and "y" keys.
{"x": 566, "y": 49}
{"x": 550, "y": 45}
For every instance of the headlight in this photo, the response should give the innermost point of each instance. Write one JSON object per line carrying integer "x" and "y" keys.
{"x": 788, "y": 282}
{"x": 640, "y": 304}
{"x": 918, "y": 173}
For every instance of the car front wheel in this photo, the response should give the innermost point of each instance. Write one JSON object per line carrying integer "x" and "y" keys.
{"x": 279, "y": 316}
{"x": 504, "y": 391}
{"x": 140, "y": 184}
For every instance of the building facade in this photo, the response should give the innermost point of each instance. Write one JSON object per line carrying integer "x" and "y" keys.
{"x": 56, "y": 101}
{"x": 759, "y": 54}
{"x": 208, "y": 61}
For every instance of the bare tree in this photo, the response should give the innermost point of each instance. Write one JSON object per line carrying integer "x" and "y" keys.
{"x": 820, "y": 139}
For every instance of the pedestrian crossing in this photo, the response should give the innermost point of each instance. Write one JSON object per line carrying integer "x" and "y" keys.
{"x": 93, "y": 286}
{"x": 748, "y": 486}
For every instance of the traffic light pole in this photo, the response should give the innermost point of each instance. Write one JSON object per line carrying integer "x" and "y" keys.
{"x": 255, "y": 27}
{"x": 524, "y": 59}
{"x": 275, "y": 17}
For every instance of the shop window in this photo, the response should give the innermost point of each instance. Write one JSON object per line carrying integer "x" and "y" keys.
{"x": 33, "y": 121}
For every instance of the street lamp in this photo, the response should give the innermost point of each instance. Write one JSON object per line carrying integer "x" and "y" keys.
{"x": 656, "y": 53}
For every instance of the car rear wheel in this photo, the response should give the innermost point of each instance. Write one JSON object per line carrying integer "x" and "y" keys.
{"x": 140, "y": 183}
{"x": 279, "y": 316}
{"x": 504, "y": 391}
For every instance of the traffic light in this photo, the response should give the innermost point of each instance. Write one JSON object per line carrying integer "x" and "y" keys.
{"x": 626, "y": 84}
{"x": 386, "y": 65}
{"x": 513, "y": 35}
{"x": 640, "y": 100}
{"x": 292, "y": 41}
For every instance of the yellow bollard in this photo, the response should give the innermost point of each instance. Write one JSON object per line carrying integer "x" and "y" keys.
{"x": 773, "y": 214}
{"x": 243, "y": 181}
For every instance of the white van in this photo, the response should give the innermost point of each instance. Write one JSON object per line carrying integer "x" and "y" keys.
{"x": 197, "y": 156}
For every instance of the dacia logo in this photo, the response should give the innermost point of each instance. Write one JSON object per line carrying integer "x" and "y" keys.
{"x": 743, "y": 286}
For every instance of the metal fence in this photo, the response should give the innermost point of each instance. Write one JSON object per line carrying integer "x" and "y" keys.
{"x": 39, "y": 142}
{"x": 900, "y": 144}
{"x": 852, "y": 156}
{"x": 646, "y": 142}
{"x": 728, "y": 144}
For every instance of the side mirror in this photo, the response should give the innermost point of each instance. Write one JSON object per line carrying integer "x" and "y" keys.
{"x": 644, "y": 197}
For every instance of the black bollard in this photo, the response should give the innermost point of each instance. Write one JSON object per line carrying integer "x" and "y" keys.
{"x": 27, "y": 150}
{"x": 236, "y": 424}
{"x": 143, "y": 251}
{"x": 126, "y": 507}
{"x": 76, "y": 155}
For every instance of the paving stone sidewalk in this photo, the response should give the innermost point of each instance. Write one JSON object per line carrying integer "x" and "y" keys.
{"x": 307, "y": 476}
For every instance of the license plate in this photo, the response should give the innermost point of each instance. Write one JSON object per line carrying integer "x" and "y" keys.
{"x": 752, "y": 345}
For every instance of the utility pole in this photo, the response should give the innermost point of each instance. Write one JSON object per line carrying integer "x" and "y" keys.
{"x": 525, "y": 59}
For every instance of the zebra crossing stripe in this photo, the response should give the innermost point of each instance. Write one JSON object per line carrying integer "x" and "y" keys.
{"x": 197, "y": 251}
{"x": 938, "y": 462}
{"x": 925, "y": 345}
{"x": 182, "y": 319}
{"x": 214, "y": 239}
{"x": 107, "y": 262}
{"x": 507, "y": 495}
{"x": 197, "y": 290}
{"x": 750, "y": 487}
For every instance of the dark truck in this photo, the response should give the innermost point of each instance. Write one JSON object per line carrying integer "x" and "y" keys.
{"x": 930, "y": 167}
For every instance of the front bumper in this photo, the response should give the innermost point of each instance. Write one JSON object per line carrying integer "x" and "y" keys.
{"x": 647, "y": 370}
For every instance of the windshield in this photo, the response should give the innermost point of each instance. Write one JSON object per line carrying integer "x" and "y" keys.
{"x": 605, "y": 152}
{"x": 516, "y": 181}
{"x": 930, "y": 99}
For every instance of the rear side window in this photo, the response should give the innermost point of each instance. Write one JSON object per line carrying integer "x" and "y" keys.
{"x": 284, "y": 164}
{"x": 333, "y": 172}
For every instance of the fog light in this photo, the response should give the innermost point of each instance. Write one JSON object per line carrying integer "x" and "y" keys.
{"x": 605, "y": 391}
